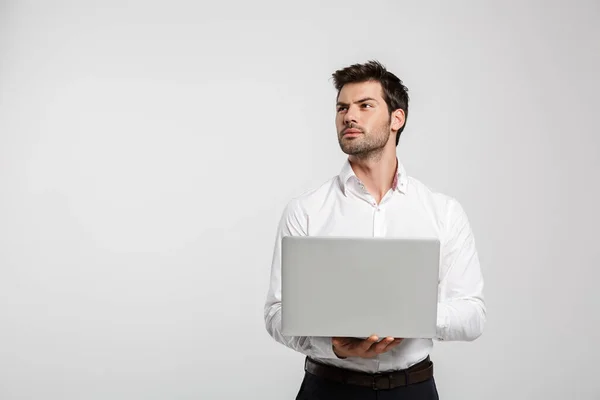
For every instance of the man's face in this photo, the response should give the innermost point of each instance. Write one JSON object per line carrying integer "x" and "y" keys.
{"x": 362, "y": 119}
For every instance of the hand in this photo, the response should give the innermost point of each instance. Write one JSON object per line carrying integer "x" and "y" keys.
{"x": 345, "y": 347}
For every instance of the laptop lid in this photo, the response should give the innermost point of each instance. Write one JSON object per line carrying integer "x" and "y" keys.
{"x": 359, "y": 286}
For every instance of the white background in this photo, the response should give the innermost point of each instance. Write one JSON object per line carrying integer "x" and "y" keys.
{"x": 147, "y": 150}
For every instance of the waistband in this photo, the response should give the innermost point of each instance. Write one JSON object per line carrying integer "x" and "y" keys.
{"x": 419, "y": 372}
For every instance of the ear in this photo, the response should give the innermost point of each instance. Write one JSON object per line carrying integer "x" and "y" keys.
{"x": 397, "y": 119}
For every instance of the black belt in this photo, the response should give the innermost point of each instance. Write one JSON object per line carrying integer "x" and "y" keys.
{"x": 419, "y": 372}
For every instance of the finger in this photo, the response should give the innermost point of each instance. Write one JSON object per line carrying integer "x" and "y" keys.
{"x": 395, "y": 340}
{"x": 383, "y": 345}
{"x": 393, "y": 344}
{"x": 366, "y": 344}
{"x": 377, "y": 346}
{"x": 341, "y": 341}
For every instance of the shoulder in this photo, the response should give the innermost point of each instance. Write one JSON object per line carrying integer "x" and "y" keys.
{"x": 299, "y": 207}
{"x": 445, "y": 208}
{"x": 314, "y": 197}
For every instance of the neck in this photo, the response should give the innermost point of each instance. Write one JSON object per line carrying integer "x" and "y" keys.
{"x": 376, "y": 171}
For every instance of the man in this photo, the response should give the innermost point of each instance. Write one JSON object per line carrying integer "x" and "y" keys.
{"x": 374, "y": 196}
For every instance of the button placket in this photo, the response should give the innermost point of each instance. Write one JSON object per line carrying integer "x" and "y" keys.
{"x": 378, "y": 218}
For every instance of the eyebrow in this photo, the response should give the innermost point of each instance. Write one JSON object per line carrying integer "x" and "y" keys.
{"x": 339, "y": 103}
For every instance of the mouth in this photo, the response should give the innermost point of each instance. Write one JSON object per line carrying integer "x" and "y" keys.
{"x": 351, "y": 132}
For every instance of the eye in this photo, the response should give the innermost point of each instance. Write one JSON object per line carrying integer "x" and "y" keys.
{"x": 367, "y": 105}
{"x": 341, "y": 108}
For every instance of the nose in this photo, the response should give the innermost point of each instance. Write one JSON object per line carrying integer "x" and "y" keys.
{"x": 350, "y": 116}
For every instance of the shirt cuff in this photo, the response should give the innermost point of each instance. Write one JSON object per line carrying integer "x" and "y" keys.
{"x": 322, "y": 347}
{"x": 443, "y": 316}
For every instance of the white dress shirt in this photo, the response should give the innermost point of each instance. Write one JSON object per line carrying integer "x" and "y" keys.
{"x": 343, "y": 207}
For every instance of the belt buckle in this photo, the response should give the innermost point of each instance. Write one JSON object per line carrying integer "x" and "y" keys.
{"x": 380, "y": 377}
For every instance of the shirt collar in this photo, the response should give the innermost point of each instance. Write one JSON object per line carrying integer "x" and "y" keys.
{"x": 400, "y": 183}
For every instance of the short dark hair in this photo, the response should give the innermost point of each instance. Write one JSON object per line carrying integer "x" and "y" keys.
{"x": 394, "y": 93}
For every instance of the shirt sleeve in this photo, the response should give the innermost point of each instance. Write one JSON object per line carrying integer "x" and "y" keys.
{"x": 461, "y": 304}
{"x": 293, "y": 222}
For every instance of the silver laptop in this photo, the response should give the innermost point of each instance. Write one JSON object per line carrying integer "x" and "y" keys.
{"x": 356, "y": 287}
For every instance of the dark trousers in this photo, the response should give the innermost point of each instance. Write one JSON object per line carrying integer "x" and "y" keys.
{"x": 317, "y": 388}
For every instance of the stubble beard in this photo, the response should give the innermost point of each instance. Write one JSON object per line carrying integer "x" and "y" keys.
{"x": 367, "y": 145}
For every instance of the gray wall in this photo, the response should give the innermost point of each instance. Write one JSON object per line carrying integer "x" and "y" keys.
{"x": 147, "y": 151}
